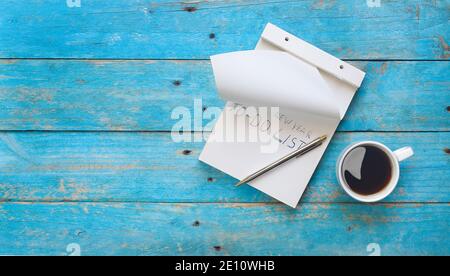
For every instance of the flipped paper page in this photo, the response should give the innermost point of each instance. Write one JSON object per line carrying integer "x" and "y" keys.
{"x": 312, "y": 90}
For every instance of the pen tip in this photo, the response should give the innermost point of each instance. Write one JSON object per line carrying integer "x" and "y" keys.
{"x": 240, "y": 183}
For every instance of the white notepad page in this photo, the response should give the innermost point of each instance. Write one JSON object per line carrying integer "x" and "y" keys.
{"x": 313, "y": 91}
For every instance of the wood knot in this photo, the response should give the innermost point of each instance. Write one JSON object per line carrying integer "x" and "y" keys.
{"x": 196, "y": 223}
{"x": 176, "y": 83}
{"x": 217, "y": 248}
{"x": 448, "y": 108}
{"x": 447, "y": 150}
{"x": 210, "y": 179}
{"x": 190, "y": 9}
{"x": 148, "y": 11}
{"x": 187, "y": 152}
{"x": 212, "y": 35}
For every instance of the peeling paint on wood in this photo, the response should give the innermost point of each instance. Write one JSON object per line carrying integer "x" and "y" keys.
{"x": 226, "y": 229}
{"x": 135, "y": 95}
{"x": 70, "y": 187}
{"x": 150, "y": 167}
{"x": 177, "y": 30}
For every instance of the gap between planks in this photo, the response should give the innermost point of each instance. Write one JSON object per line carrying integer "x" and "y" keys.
{"x": 200, "y": 59}
{"x": 193, "y": 132}
{"x": 384, "y": 203}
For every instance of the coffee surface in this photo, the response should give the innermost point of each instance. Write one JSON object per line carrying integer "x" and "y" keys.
{"x": 367, "y": 170}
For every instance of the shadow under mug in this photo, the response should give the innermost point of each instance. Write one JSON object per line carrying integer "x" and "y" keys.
{"x": 394, "y": 156}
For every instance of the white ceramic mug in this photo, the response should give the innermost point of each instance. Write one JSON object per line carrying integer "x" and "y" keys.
{"x": 394, "y": 156}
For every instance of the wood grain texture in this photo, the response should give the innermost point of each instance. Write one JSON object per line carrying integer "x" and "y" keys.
{"x": 149, "y": 167}
{"x": 80, "y": 88}
{"x": 140, "y": 95}
{"x": 223, "y": 229}
{"x": 192, "y": 30}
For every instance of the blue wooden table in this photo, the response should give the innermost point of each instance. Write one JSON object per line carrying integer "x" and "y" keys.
{"x": 87, "y": 163}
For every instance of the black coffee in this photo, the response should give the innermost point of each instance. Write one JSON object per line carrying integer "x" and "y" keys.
{"x": 367, "y": 170}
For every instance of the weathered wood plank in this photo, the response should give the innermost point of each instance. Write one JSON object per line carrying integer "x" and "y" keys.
{"x": 185, "y": 30}
{"x": 140, "y": 95}
{"x": 224, "y": 229}
{"x": 150, "y": 167}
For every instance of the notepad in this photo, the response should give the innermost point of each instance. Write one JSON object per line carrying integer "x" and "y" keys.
{"x": 311, "y": 90}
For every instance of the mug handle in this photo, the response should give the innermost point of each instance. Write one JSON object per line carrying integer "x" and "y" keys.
{"x": 403, "y": 153}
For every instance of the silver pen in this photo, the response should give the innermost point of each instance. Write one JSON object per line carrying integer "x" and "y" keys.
{"x": 299, "y": 152}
